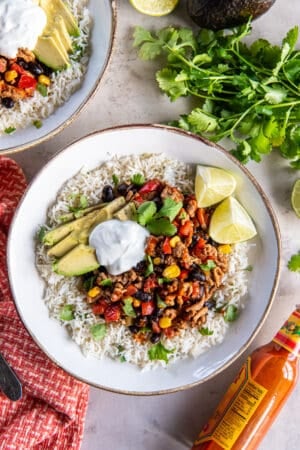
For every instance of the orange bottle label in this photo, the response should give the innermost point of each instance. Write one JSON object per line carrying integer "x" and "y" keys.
{"x": 289, "y": 334}
{"x": 235, "y": 410}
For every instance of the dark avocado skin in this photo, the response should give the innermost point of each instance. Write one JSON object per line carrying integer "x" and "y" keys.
{"x": 219, "y": 14}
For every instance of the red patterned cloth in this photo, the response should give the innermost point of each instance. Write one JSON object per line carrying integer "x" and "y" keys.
{"x": 52, "y": 410}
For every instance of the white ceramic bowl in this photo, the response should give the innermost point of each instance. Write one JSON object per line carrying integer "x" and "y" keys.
{"x": 102, "y": 34}
{"x": 27, "y": 287}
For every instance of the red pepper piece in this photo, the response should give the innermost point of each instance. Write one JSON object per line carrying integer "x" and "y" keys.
{"x": 27, "y": 82}
{"x": 187, "y": 228}
{"x": 150, "y": 186}
{"x": 112, "y": 313}
{"x": 131, "y": 290}
{"x": 184, "y": 274}
{"x": 147, "y": 308}
{"x": 199, "y": 246}
{"x": 166, "y": 247}
{"x": 150, "y": 283}
{"x": 17, "y": 68}
{"x": 99, "y": 307}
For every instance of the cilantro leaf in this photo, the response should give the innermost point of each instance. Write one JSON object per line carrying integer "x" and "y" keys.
{"x": 294, "y": 263}
{"x": 41, "y": 233}
{"x": 210, "y": 264}
{"x": 231, "y": 313}
{"x": 9, "y": 130}
{"x": 205, "y": 331}
{"x": 161, "y": 227}
{"x": 145, "y": 212}
{"x": 67, "y": 313}
{"x": 106, "y": 283}
{"x": 138, "y": 179}
{"x": 128, "y": 308}
{"x": 98, "y": 331}
{"x": 149, "y": 268}
{"x": 169, "y": 209}
{"x": 159, "y": 352}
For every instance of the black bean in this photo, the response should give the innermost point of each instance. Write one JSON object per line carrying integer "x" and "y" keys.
{"x": 141, "y": 266}
{"x": 155, "y": 337}
{"x": 134, "y": 329}
{"x": 210, "y": 304}
{"x": 158, "y": 201}
{"x": 107, "y": 193}
{"x": 212, "y": 242}
{"x": 143, "y": 296}
{"x": 35, "y": 68}
{"x": 122, "y": 188}
{"x": 46, "y": 70}
{"x": 22, "y": 63}
{"x": 7, "y": 102}
{"x": 197, "y": 275}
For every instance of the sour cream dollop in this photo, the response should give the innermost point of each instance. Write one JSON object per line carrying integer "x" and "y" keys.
{"x": 21, "y": 23}
{"x": 119, "y": 245}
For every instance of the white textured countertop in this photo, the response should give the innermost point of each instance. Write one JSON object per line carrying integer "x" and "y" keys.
{"x": 129, "y": 94}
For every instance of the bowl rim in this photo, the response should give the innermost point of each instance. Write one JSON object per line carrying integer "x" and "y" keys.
{"x": 32, "y": 143}
{"x": 275, "y": 283}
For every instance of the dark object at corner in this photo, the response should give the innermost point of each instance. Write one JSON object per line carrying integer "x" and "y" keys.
{"x": 220, "y": 14}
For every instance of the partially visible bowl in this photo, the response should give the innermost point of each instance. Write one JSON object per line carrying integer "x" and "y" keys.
{"x": 102, "y": 34}
{"x": 28, "y": 287}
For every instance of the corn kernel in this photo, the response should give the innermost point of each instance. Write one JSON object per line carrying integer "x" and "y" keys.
{"x": 165, "y": 322}
{"x": 225, "y": 248}
{"x": 174, "y": 241}
{"x": 136, "y": 303}
{"x": 10, "y": 75}
{"x": 43, "y": 79}
{"x": 172, "y": 271}
{"x": 156, "y": 261}
{"x": 94, "y": 292}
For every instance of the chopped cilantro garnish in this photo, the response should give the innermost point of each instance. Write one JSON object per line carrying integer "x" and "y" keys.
{"x": 159, "y": 352}
{"x": 106, "y": 282}
{"x": 128, "y": 308}
{"x": 149, "y": 268}
{"x": 9, "y": 130}
{"x": 115, "y": 180}
{"x": 98, "y": 331}
{"x": 67, "y": 313}
{"x": 37, "y": 123}
{"x": 294, "y": 263}
{"x": 210, "y": 264}
{"x": 145, "y": 212}
{"x": 42, "y": 88}
{"x": 138, "y": 179}
{"x": 41, "y": 233}
{"x": 205, "y": 331}
{"x": 169, "y": 209}
{"x": 231, "y": 313}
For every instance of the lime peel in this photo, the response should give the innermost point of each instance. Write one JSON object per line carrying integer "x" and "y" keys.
{"x": 212, "y": 185}
{"x": 295, "y": 198}
{"x": 230, "y": 223}
{"x": 154, "y": 7}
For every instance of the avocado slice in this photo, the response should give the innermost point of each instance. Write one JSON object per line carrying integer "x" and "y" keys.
{"x": 78, "y": 261}
{"x": 58, "y": 7}
{"x": 128, "y": 212}
{"x": 83, "y": 225}
{"x": 49, "y": 51}
{"x": 64, "y": 246}
{"x": 57, "y": 24}
{"x": 81, "y": 212}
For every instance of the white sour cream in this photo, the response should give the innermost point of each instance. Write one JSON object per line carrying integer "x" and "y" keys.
{"x": 21, "y": 23}
{"x": 119, "y": 245}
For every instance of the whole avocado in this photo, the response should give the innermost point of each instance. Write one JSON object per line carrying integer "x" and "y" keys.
{"x": 220, "y": 14}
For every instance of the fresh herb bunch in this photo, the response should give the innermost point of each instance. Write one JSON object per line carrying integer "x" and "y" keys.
{"x": 248, "y": 93}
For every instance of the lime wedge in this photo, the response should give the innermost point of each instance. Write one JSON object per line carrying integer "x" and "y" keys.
{"x": 295, "y": 198}
{"x": 212, "y": 185}
{"x": 154, "y": 7}
{"x": 230, "y": 223}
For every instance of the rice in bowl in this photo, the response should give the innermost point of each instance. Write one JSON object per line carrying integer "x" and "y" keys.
{"x": 118, "y": 342}
{"x": 32, "y": 110}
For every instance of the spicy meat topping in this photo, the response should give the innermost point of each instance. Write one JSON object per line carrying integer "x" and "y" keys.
{"x": 173, "y": 287}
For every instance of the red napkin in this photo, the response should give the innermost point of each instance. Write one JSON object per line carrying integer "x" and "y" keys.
{"x": 52, "y": 410}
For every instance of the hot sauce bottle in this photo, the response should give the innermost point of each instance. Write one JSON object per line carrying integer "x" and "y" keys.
{"x": 257, "y": 395}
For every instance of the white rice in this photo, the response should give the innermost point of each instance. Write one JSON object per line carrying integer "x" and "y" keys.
{"x": 61, "y": 290}
{"x": 63, "y": 84}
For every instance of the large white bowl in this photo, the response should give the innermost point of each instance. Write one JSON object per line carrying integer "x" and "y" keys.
{"x": 102, "y": 34}
{"x": 27, "y": 286}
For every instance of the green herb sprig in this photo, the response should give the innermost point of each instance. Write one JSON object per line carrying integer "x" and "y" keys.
{"x": 247, "y": 93}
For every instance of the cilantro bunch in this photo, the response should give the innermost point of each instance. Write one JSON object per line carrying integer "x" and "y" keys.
{"x": 247, "y": 93}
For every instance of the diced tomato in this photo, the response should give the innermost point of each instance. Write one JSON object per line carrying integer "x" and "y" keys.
{"x": 186, "y": 229}
{"x": 99, "y": 307}
{"x": 166, "y": 247}
{"x": 183, "y": 274}
{"x": 138, "y": 198}
{"x": 27, "y": 82}
{"x": 147, "y": 308}
{"x": 150, "y": 186}
{"x": 112, "y": 313}
{"x": 199, "y": 246}
{"x": 17, "y": 68}
{"x": 169, "y": 332}
{"x": 150, "y": 283}
{"x": 131, "y": 290}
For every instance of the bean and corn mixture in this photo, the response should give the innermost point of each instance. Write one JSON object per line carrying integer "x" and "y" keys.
{"x": 173, "y": 287}
{"x": 21, "y": 76}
